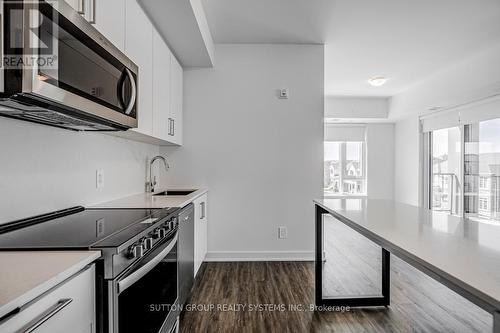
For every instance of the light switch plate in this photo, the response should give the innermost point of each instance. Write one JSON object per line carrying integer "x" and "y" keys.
{"x": 99, "y": 178}
{"x": 282, "y": 233}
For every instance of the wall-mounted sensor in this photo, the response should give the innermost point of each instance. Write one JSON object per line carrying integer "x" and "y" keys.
{"x": 284, "y": 93}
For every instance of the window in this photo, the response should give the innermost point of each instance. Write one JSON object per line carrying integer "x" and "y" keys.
{"x": 446, "y": 164}
{"x": 482, "y": 166}
{"x": 463, "y": 169}
{"x": 344, "y": 168}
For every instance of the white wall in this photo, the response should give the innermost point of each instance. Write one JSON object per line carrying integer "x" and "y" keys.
{"x": 260, "y": 156}
{"x": 356, "y": 107}
{"x": 474, "y": 78}
{"x": 45, "y": 169}
{"x": 407, "y": 159}
{"x": 380, "y": 161}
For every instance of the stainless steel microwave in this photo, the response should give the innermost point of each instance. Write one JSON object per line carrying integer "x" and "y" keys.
{"x": 58, "y": 70}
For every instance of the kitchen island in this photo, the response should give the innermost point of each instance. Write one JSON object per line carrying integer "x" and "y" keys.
{"x": 459, "y": 253}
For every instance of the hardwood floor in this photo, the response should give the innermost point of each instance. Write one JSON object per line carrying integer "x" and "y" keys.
{"x": 418, "y": 303}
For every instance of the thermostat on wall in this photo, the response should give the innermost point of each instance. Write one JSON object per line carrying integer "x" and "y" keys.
{"x": 284, "y": 93}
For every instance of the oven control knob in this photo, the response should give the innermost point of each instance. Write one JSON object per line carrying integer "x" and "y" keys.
{"x": 157, "y": 233}
{"x": 163, "y": 232}
{"x": 135, "y": 251}
{"x": 174, "y": 222}
{"x": 169, "y": 225}
{"x": 147, "y": 243}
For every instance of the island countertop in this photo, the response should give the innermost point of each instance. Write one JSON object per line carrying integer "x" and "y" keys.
{"x": 464, "y": 251}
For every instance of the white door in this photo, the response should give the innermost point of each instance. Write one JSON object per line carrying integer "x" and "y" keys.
{"x": 70, "y": 307}
{"x": 161, "y": 87}
{"x": 108, "y": 16}
{"x": 176, "y": 102}
{"x": 77, "y": 5}
{"x": 139, "y": 47}
{"x": 200, "y": 231}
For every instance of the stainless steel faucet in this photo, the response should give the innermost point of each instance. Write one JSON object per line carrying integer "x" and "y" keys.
{"x": 150, "y": 186}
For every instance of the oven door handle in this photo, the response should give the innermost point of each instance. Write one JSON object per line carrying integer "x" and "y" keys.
{"x": 138, "y": 274}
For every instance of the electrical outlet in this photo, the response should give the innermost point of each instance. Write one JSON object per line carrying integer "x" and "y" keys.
{"x": 99, "y": 227}
{"x": 284, "y": 93}
{"x": 282, "y": 233}
{"x": 99, "y": 178}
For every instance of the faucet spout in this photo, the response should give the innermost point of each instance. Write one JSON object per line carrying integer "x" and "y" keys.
{"x": 150, "y": 186}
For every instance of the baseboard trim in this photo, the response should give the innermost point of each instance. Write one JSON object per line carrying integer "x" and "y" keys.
{"x": 260, "y": 256}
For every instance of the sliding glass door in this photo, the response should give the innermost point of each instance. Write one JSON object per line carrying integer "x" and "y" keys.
{"x": 461, "y": 173}
{"x": 446, "y": 184}
{"x": 482, "y": 171}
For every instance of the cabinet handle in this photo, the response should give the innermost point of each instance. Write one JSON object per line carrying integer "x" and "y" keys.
{"x": 202, "y": 206}
{"x": 81, "y": 7}
{"x": 170, "y": 126}
{"x": 61, "y": 304}
{"x": 92, "y": 12}
{"x": 173, "y": 127}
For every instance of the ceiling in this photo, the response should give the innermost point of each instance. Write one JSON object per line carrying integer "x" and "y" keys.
{"x": 403, "y": 40}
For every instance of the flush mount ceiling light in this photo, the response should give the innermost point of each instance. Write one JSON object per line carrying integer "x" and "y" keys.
{"x": 377, "y": 81}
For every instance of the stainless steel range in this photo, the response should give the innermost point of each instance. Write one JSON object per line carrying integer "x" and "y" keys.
{"x": 137, "y": 278}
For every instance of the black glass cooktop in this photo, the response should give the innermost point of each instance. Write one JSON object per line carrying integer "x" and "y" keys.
{"x": 90, "y": 228}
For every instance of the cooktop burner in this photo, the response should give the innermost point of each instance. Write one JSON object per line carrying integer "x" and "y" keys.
{"x": 80, "y": 228}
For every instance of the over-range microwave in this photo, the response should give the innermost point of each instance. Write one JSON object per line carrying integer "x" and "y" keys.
{"x": 58, "y": 70}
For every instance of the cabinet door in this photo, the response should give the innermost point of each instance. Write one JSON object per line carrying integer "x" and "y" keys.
{"x": 70, "y": 307}
{"x": 139, "y": 47}
{"x": 77, "y": 5}
{"x": 200, "y": 231}
{"x": 108, "y": 16}
{"x": 176, "y": 101}
{"x": 161, "y": 87}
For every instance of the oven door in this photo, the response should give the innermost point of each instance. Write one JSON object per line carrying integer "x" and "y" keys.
{"x": 76, "y": 67}
{"x": 144, "y": 299}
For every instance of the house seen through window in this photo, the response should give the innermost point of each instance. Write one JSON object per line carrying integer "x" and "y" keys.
{"x": 344, "y": 168}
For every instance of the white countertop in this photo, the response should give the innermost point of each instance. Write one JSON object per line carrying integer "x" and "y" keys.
{"x": 25, "y": 275}
{"x": 148, "y": 200}
{"x": 466, "y": 250}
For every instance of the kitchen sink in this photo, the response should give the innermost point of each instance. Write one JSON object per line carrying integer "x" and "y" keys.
{"x": 174, "y": 192}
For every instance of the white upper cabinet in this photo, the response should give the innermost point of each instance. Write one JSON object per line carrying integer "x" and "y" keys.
{"x": 161, "y": 87}
{"x": 139, "y": 48}
{"x": 77, "y": 5}
{"x": 160, "y": 77}
{"x": 108, "y": 16}
{"x": 176, "y": 88}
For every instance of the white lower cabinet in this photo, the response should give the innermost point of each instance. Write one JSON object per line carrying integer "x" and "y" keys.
{"x": 200, "y": 231}
{"x": 69, "y": 307}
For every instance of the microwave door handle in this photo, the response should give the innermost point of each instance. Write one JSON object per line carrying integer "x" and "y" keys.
{"x": 133, "y": 96}
{"x": 138, "y": 274}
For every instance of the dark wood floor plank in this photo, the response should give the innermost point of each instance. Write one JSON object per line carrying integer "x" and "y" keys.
{"x": 419, "y": 304}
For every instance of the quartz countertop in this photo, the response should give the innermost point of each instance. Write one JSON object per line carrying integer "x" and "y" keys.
{"x": 25, "y": 275}
{"x": 466, "y": 251}
{"x": 149, "y": 200}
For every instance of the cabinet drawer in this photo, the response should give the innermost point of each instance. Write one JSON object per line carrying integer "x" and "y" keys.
{"x": 69, "y": 307}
